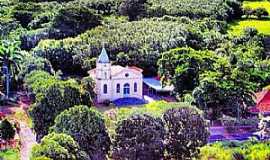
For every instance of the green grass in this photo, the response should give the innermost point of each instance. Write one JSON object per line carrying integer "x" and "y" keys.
{"x": 10, "y": 154}
{"x": 257, "y": 4}
{"x": 155, "y": 109}
{"x": 263, "y": 26}
{"x": 237, "y": 27}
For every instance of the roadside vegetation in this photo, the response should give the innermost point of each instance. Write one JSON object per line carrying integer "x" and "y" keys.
{"x": 11, "y": 154}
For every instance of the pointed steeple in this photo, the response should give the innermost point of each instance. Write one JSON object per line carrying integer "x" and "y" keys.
{"x": 103, "y": 57}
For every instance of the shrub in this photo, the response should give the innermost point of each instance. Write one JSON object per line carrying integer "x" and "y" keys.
{"x": 60, "y": 59}
{"x": 261, "y": 12}
{"x": 32, "y": 63}
{"x": 58, "y": 97}
{"x": 58, "y": 146}
{"x": 7, "y": 130}
{"x": 258, "y": 12}
{"x": 139, "y": 137}
{"x": 88, "y": 84}
{"x": 133, "y": 8}
{"x": 249, "y": 150}
{"x": 186, "y": 132}
{"x": 87, "y": 127}
{"x": 72, "y": 20}
{"x": 38, "y": 82}
{"x": 215, "y": 151}
{"x": 219, "y": 9}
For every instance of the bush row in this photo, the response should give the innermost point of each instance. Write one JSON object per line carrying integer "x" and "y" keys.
{"x": 180, "y": 131}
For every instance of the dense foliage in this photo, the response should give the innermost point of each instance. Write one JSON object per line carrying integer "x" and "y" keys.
{"x": 186, "y": 132}
{"x": 73, "y": 20}
{"x": 214, "y": 76}
{"x": 184, "y": 42}
{"x": 141, "y": 44}
{"x": 88, "y": 84}
{"x": 31, "y": 63}
{"x": 133, "y": 8}
{"x": 7, "y": 130}
{"x": 139, "y": 137}
{"x": 58, "y": 146}
{"x": 249, "y": 150}
{"x": 10, "y": 59}
{"x": 53, "y": 97}
{"x": 222, "y": 10}
{"x": 87, "y": 127}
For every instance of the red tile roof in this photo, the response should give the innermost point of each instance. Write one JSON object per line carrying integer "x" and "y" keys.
{"x": 115, "y": 69}
{"x": 263, "y": 100}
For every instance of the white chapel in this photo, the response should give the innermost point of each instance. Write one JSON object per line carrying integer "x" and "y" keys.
{"x": 114, "y": 81}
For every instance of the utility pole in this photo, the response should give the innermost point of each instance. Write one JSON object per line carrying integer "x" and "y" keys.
{"x": 7, "y": 77}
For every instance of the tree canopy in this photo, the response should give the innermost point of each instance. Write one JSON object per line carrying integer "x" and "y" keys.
{"x": 87, "y": 127}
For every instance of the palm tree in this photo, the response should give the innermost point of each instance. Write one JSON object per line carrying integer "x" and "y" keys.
{"x": 10, "y": 58}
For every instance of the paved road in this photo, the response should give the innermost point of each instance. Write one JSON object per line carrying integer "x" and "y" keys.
{"x": 27, "y": 141}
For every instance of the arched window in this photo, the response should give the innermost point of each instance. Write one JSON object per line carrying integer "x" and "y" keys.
{"x": 126, "y": 89}
{"x": 105, "y": 89}
{"x": 135, "y": 87}
{"x": 118, "y": 88}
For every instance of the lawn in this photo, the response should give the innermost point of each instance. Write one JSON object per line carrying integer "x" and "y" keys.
{"x": 257, "y": 4}
{"x": 263, "y": 26}
{"x": 237, "y": 27}
{"x": 155, "y": 109}
{"x": 10, "y": 154}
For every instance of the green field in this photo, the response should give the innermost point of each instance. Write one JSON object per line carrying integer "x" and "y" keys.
{"x": 263, "y": 26}
{"x": 11, "y": 154}
{"x": 257, "y": 4}
{"x": 237, "y": 27}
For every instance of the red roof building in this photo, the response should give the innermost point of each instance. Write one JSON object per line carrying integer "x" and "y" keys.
{"x": 263, "y": 100}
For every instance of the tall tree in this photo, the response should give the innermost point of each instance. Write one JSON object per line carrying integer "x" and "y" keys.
{"x": 186, "y": 132}
{"x": 87, "y": 127}
{"x": 58, "y": 146}
{"x": 10, "y": 58}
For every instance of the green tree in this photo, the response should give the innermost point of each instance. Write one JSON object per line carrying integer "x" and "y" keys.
{"x": 182, "y": 67}
{"x": 88, "y": 84}
{"x": 228, "y": 90}
{"x": 75, "y": 19}
{"x": 58, "y": 146}
{"x": 10, "y": 58}
{"x": 133, "y": 8}
{"x": 186, "y": 132}
{"x": 139, "y": 137}
{"x": 7, "y": 130}
{"x": 32, "y": 63}
{"x": 58, "y": 97}
{"x": 87, "y": 127}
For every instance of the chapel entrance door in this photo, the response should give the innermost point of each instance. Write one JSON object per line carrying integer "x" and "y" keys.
{"x": 126, "y": 90}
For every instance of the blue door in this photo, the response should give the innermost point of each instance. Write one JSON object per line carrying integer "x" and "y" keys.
{"x": 126, "y": 89}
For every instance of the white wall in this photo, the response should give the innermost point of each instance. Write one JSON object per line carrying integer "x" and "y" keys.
{"x": 120, "y": 78}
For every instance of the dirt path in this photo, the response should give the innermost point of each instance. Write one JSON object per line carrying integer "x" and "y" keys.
{"x": 27, "y": 137}
{"x": 27, "y": 141}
